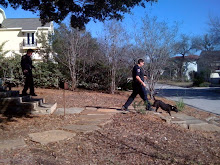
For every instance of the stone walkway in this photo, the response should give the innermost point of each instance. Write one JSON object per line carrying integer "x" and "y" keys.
{"x": 91, "y": 118}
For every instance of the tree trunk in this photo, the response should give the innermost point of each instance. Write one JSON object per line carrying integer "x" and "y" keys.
{"x": 73, "y": 78}
{"x": 113, "y": 72}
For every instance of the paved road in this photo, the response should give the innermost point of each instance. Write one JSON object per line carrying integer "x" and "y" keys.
{"x": 207, "y": 99}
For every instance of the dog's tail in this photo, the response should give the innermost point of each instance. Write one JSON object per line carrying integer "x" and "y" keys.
{"x": 154, "y": 99}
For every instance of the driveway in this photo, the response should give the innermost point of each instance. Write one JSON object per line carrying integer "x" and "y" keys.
{"x": 207, "y": 99}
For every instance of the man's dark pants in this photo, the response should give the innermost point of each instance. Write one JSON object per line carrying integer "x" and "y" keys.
{"x": 138, "y": 89}
{"x": 29, "y": 83}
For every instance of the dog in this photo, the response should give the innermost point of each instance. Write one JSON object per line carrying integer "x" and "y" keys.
{"x": 164, "y": 106}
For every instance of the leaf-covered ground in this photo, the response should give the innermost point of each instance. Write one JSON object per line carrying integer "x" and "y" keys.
{"x": 128, "y": 139}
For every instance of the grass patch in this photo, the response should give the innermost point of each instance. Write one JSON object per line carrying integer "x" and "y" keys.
{"x": 180, "y": 105}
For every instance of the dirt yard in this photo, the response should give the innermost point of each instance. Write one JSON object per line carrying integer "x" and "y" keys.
{"x": 128, "y": 139}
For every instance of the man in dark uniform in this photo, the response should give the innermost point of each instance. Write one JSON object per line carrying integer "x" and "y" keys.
{"x": 26, "y": 65}
{"x": 138, "y": 86}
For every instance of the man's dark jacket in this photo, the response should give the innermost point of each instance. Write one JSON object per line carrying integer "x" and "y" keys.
{"x": 26, "y": 64}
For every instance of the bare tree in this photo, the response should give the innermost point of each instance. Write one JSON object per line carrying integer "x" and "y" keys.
{"x": 45, "y": 48}
{"x": 214, "y": 29}
{"x": 156, "y": 40}
{"x": 211, "y": 40}
{"x": 68, "y": 46}
{"x": 112, "y": 43}
{"x": 205, "y": 42}
{"x": 183, "y": 47}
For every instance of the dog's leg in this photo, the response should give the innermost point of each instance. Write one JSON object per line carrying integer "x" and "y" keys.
{"x": 156, "y": 109}
{"x": 169, "y": 112}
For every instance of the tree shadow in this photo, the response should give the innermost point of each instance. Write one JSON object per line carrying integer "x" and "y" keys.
{"x": 10, "y": 115}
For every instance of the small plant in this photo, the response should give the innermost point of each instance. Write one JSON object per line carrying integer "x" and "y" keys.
{"x": 140, "y": 107}
{"x": 180, "y": 104}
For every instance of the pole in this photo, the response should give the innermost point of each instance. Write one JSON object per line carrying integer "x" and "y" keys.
{"x": 64, "y": 102}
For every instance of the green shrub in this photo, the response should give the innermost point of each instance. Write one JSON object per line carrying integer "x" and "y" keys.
{"x": 205, "y": 84}
{"x": 46, "y": 75}
{"x": 180, "y": 104}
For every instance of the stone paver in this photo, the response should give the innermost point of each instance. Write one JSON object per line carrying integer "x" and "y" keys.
{"x": 81, "y": 128}
{"x": 91, "y": 122}
{"x": 90, "y": 119}
{"x": 182, "y": 116}
{"x": 192, "y": 123}
{"x": 12, "y": 144}
{"x": 51, "y": 136}
{"x": 94, "y": 116}
{"x": 91, "y": 108}
{"x": 75, "y": 110}
{"x": 204, "y": 127}
{"x": 108, "y": 110}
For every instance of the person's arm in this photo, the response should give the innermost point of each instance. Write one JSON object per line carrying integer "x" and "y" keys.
{"x": 139, "y": 79}
{"x": 24, "y": 64}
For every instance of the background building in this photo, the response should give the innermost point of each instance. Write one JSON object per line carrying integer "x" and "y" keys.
{"x": 21, "y": 34}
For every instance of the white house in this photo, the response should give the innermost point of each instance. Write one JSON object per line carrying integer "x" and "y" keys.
{"x": 20, "y": 34}
{"x": 189, "y": 64}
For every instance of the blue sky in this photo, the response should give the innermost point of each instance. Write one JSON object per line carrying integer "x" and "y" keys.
{"x": 192, "y": 15}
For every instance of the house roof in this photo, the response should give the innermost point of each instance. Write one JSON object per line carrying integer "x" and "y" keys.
{"x": 214, "y": 55}
{"x": 189, "y": 57}
{"x": 24, "y": 23}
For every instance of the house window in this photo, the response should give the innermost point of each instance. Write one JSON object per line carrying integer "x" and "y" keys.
{"x": 30, "y": 38}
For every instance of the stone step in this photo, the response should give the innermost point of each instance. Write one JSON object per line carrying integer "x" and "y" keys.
{"x": 44, "y": 108}
{"x": 10, "y": 101}
{"x": 4, "y": 94}
{"x": 192, "y": 123}
{"x": 2, "y": 88}
{"x": 23, "y": 105}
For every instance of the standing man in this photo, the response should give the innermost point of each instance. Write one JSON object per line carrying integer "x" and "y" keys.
{"x": 26, "y": 65}
{"x": 138, "y": 86}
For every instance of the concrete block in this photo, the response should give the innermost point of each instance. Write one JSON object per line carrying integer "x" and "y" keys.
{"x": 53, "y": 108}
{"x": 44, "y": 109}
